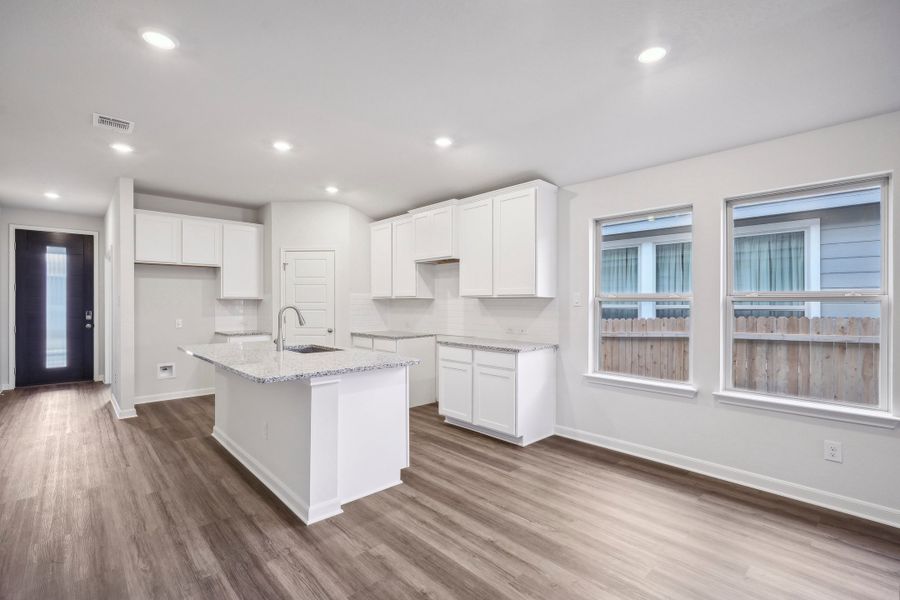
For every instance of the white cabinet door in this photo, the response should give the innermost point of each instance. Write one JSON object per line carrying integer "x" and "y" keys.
{"x": 434, "y": 231}
{"x": 381, "y": 260}
{"x": 476, "y": 249}
{"x": 423, "y": 225}
{"x": 455, "y": 390}
{"x": 157, "y": 238}
{"x": 494, "y": 401}
{"x": 242, "y": 256}
{"x": 404, "y": 265}
{"x": 515, "y": 239}
{"x": 201, "y": 241}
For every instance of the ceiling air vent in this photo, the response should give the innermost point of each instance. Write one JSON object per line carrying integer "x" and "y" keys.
{"x": 106, "y": 122}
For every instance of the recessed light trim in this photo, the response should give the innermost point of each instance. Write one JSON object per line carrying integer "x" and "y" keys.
{"x": 122, "y": 148}
{"x": 282, "y": 146}
{"x": 332, "y": 189}
{"x": 443, "y": 141}
{"x": 652, "y": 55}
{"x": 159, "y": 40}
{"x": 51, "y": 195}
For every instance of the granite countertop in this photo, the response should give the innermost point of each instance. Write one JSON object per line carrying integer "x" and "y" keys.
{"x": 391, "y": 334}
{"x": 492, "y": 345}
{"x": 240, "y": 332}
{"x": 260, "y": 362}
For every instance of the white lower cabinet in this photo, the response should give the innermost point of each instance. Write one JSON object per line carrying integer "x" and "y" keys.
{"x": 422, "y": 385}
{"x": 455, "y": 390}
{"x": 494, "y": 398}
{"x": 511, "y": 396}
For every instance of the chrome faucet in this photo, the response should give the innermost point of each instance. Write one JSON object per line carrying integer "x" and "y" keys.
{"x": 279, "y": 341}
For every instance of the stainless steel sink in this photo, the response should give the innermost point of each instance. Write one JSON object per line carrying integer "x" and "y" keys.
{"x": 311, "y": 349}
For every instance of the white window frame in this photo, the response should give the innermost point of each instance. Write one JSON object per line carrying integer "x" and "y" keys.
{"x": 595, "y": 375}
{"x": 884, "y": 414}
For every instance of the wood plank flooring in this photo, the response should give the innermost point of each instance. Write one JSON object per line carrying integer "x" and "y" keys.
{"x": 152, "y": 507}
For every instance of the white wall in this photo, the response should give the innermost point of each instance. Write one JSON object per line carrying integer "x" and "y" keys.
{"x": 765, "y": 449}
{"x": 119, "y": 227}
{"x": 162, "y": 294}
{"x": 53, "y": 219}
{"x": 317, "y": 226}
{"x": 195, "y": 208}
{"x": 534, "y": 319}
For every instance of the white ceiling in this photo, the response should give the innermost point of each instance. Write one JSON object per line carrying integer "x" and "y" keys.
{"x": 528, "y": 88}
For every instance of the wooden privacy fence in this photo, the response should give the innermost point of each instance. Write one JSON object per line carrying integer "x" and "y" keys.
{"x": 827, "y": 358}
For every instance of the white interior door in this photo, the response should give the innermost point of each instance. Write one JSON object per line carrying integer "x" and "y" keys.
{"x": 309, "y": 285}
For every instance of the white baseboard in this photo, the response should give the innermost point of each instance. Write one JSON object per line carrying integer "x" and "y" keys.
{"x": 308, "y": 514}
{"x": 121, "y": 414}
{"x": 795, "y": 491}
{"x": 174, "y": 395}
{"x": 100, "y": 377}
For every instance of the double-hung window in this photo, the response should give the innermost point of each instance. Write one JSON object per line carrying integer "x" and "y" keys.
{"x": 643, "y": 295}
{"x": 806, "y": 297}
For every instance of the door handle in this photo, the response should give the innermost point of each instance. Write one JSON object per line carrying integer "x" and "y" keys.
{"x": 88, "y": 315}
{"x": 330, "y": 330}
{"x": 88, "y": 326}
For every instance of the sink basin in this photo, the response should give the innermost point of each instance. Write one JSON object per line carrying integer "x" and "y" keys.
{"x": 311, "y": 349}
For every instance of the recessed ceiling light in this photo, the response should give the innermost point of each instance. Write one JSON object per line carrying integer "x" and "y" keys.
{"x": 159, "y": 40}
{"x": 282, "y": 146}
{"x": 51, "y": 195}
{"x": 122, "y": 148}
{"x": 652, "y": 55}
{"x": 443, "y": 142}
{"x": 332, "y": 189}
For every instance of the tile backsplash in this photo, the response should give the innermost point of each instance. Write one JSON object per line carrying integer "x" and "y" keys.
{"x": 533, "y": 319}
{"x": 234, "y": 315}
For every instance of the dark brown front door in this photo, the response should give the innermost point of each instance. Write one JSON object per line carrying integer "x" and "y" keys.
{"x": 54, "y": 333}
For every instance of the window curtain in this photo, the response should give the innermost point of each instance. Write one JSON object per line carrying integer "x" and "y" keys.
{"x": 619, "y": 273}
{"x": 773, "y": 262}
{"x": 673, "y": 268}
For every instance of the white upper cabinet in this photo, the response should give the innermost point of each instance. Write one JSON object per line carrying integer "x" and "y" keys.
{"x": 242, "y": 256}
{"x": 508, "y": 242}
{"x": 436, "y": 232}
{"x": 514, "y": 244}
{"x": 476, "y": 248}
{"x": 157, "y": 238}
{"x": 381, "y": 244}
{"x": 404, "y": 264}
{"x": 201, "y": 242}
{"x": 395, "y": 273}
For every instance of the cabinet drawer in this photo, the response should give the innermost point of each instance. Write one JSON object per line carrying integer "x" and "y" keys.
{"x": 361, "y": 342}
{"x": 502, "y": 360}
{"x": 383, "y": 345}
{"x": 455, "y": 354}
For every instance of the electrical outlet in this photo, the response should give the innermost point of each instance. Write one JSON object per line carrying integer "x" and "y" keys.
{"x": 179, "y": 323}
{"x": 833, "y": 451}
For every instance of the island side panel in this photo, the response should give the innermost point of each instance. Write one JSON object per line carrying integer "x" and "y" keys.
{"x": 266, "y": 427}
{"x": 374, "y": 431}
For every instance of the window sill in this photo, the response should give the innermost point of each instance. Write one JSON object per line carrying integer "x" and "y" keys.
{"x": 670, "y": 388}
{"x": 846, "y": 414}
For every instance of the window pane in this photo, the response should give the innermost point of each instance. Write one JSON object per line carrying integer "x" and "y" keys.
{"x": 620, "y": 270}
{"x": 654, "y": 348}
{"x": 673, "y": 268}
{"x": 773, "y": 262}
{"x": 56, "y": 355}
{"x": 832, "y": 357}
{"x": 809, "y": 242}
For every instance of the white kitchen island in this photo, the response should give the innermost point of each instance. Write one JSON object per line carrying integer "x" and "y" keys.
{"x": 318, "y": 429}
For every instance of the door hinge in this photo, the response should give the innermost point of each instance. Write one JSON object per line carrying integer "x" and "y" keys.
{"x": 284, "y": 266}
